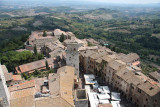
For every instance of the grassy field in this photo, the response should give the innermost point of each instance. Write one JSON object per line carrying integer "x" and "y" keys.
{"x": 156, "y": 35}
{"x": 14, "y": 22}
{"x": 120, "y": 30}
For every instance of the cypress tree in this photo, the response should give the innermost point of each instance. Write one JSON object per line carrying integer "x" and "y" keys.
{"x": 61, "y": 38}
{"x": 44, "y": 34}
{"x": 47, "y": 66}
{"x": 35, "y": 50}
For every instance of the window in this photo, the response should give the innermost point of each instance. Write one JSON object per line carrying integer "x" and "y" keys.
{"x": 139, "y": 90}
{"x": 132, "y": 87}
{"x": 151, "y": 88}
{"x": 155, "y": 100}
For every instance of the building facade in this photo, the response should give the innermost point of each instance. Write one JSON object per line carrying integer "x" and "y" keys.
{"x": 122, "y": 75}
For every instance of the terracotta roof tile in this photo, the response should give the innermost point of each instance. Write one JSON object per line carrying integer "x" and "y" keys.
{"x": 22, "y": 93}
{"x": 24, "y": 85}
{"x": 149, "y": 88}
{"x": 27, "y": 101}
{"x": 109, "y": 58}
{"x": 155, "y": 75}
{"x": 17, "y": 77}
{"x": 60, "y": 86}
{"x": 129, "y": 58}
{"x": 116, "y": 64}
{"x": 52, "y": 102}
{"x": 87, "y": 53}
{"x": 34, "y": 65}
{"x": 67, "y": 83}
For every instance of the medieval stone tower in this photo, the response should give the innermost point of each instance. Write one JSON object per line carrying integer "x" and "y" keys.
{"x": 72, "y": 55}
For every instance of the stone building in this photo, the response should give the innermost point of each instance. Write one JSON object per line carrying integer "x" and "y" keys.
{"x": 120, "y": 81}
{"x": 81, "y": 98}
{"x": 53, "y": 50}
{"x": 89, "y": 59}
{"x": 80, "y": 42}
{"x": 112, "y": 68}
{"x": 59, "y": 90}
{"x": 139, "y": 89}
{"x": 155, "y": 76}
{"x": 130, "y": 59}
{"x": 4, "y": 93}
{"x": 10, "y": 78}
{"x": 61, "y": 86}
{"x": 67, "y": 35}
{"x": 37, "y": 38}
{"x": 120, "y": 72}
{"x": 84, "y": 60}
{"x": 92, "y": 60}
{"x": 72, "y": 55}
{"x": 101, "y": 66}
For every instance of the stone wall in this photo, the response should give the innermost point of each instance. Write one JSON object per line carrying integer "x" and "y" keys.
{"x": 4, "y": 93}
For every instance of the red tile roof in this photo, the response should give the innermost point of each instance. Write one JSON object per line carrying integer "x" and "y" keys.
{"x": 21, "y": 86}
{"x": 34, "y": 65}
{"x": 16, "y": 77}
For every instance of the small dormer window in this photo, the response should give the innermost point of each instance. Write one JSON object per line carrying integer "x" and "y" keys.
{"x": 151, "y": 88}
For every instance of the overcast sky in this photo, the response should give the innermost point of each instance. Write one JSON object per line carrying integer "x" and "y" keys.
{"x": 106, "y": 1}
{"x": 127, "y": 1}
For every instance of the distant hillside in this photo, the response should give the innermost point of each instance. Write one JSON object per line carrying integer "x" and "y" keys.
{"x": 34, "y": 11}
{"x": 102, "y": 13}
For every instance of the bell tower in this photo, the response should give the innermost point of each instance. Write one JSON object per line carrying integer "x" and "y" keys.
{"x": 72, "y": 55}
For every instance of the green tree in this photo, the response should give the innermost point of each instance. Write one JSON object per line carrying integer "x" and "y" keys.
{"x": 36, "y": 72}
{"x": 154, "y": 25}
{"x": 152, "y": 59}
{"x": 114, "y": 48}
{"x": 44, "y": 34}
{"x": 13, "y": 59}
{"x": 61, "y": 38}
{"x": 47, "y": 66}
{"x": 35, "y": 49}
{"x": 24, "y": 76}
{"x": 90, "y": 44}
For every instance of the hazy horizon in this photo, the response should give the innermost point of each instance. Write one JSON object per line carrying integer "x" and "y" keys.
{"x": 99, "y": 1}
{"x": 122, "y": 1}
{"x": 71, "y": 3}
